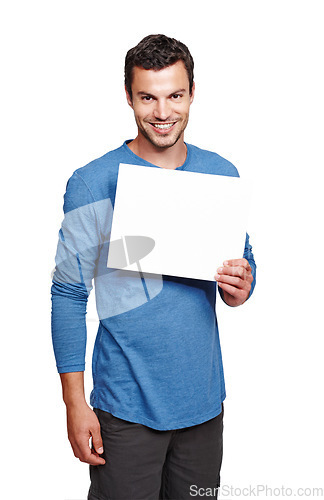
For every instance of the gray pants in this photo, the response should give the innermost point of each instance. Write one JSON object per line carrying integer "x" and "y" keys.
{"x": 146, "y": 464}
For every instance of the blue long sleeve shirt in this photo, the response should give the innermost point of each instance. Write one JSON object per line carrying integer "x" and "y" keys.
{"x": 157, "y": 356}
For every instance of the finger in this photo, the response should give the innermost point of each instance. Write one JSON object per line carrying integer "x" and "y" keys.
{"x": 83, "y": 452}
{"x": 92, "y": 459}
{"x": 238, "y": 271}
{"x": 233, "y": 281}
{"x": 235, "y": 292}
{"x": 97, "y": 440}
{"x": 238, "y": 262}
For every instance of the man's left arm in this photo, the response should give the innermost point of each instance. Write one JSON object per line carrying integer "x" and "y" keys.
{"x": 236, "y": 278}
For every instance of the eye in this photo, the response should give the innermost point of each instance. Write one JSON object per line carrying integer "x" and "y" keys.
{"x": 146, "y": 98}
{"x": 176, "y": 96}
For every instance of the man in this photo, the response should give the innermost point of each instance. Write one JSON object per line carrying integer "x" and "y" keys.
{"x": 158, "y": 393}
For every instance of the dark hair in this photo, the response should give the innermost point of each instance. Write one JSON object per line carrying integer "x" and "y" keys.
{"x": 157, "y": 52}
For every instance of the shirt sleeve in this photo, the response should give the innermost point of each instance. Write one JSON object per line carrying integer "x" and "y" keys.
{"x": 76, "y": 258}
{"x": 248, "y": 255}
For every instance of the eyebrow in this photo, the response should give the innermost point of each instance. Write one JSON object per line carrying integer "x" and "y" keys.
{"x": 172, "y": 93}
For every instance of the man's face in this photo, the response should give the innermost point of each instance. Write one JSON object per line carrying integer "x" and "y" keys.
{"x": 161, "y": 102}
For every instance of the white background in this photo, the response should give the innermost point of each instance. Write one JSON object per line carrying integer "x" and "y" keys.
{"x": 258, "y": 103}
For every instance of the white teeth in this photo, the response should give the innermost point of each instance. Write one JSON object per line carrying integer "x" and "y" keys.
{"x": 163, "y": 125}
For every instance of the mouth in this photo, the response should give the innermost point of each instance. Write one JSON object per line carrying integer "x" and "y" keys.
{"x": 163, "y": 128}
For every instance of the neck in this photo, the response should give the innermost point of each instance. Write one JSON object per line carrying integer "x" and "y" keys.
{"x": 172, "y": 157}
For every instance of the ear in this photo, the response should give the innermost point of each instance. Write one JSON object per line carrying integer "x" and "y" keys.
{"x": 192, "y": 95}
{"x": 128, "y": 97}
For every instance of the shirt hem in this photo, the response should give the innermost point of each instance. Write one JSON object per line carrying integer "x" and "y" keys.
{"x": 71, "y": 368}
{"x": 154, "y": 425}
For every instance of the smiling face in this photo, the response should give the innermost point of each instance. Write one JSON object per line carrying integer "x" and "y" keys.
{"x": 161, "y": 102}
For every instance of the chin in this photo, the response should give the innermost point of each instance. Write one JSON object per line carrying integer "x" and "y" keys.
{"x": 164, "y": 142}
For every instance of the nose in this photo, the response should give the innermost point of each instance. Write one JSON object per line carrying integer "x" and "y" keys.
{"x": 162, "y": 109}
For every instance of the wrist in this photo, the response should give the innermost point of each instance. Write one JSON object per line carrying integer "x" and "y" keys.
{"x": 73, "y": 389}
{"x": 73, "y": 401}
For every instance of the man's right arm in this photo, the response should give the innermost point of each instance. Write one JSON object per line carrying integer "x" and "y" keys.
{"x": 76, "y": 257}
{"x": 82, "y": 422}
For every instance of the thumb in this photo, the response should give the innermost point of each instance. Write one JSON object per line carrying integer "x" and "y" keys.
{"x": 97, "y": 441}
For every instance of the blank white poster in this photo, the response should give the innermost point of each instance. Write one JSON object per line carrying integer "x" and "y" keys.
{"x": 175, "y": 222}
